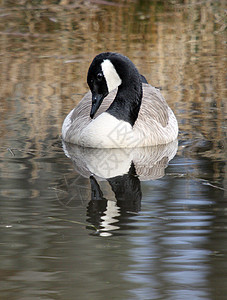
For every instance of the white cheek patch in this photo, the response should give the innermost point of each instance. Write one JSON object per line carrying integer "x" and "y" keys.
{"x": 112, "y": 78}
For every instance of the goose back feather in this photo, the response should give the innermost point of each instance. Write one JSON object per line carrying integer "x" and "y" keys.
{"x": 156, "y": 124}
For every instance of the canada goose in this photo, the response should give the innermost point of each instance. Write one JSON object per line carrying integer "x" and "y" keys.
{"x": 121, "y": 110}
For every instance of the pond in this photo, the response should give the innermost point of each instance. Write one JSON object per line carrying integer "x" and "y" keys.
{"x": 127, "y": 224}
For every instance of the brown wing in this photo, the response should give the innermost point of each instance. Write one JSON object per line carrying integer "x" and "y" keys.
{"x": 84, "y": 106}
{"x": 153, "y": 107}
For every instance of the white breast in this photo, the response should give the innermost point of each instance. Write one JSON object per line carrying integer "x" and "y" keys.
{"x": 106, "y": 131}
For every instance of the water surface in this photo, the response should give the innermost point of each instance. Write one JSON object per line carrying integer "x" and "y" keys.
{"x": 74, "y": 228}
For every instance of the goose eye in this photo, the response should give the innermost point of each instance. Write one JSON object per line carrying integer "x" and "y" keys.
{"x": 99, "y": 76}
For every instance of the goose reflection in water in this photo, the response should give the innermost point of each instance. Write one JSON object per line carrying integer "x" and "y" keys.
{"x": 123, "y": 170}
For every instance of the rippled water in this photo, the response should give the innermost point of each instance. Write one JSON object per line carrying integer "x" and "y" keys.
{"x": 127, "y": 224}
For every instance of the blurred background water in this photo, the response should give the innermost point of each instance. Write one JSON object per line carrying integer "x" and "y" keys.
{"x": 66, "y": 235}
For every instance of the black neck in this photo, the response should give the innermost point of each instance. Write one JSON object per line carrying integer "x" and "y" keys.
{"x": 126, "y": 104}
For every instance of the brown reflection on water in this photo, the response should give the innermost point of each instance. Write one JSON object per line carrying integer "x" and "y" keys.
{"x": 45, "y": 54}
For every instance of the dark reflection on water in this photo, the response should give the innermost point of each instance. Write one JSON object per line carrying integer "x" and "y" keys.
{"x": 168, "y": 239}
{"x": 121, "y": 170}
{"x": 151, "y": 225}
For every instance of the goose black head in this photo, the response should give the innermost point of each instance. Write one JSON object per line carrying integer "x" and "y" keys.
{"x": 109, "y": 71}
{"x": 102, "y": 78}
